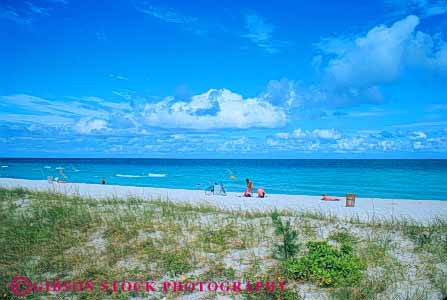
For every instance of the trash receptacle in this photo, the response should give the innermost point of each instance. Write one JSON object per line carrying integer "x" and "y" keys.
{"x": 350, "y": 200}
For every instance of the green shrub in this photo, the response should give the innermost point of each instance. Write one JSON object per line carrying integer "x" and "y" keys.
{"x": 327, "y": 265}
{"x": 289, "y": 245}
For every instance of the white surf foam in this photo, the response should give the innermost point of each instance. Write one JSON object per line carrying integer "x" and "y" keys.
{"x": 129, "y": 176}
{"x": 156, "y": 175}
{"x": 141, "y": 176}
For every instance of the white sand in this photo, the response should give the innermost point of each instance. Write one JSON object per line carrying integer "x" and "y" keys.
{"x": 366, "y": 209}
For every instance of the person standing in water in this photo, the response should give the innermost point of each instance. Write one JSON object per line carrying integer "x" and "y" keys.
{"x": 103, "y": 180}
{"x": 249, "y": 188}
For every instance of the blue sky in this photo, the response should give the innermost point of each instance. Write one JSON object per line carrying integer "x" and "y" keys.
{"x": 279, "y": 79}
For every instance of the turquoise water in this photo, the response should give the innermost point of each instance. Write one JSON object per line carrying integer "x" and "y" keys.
{"x": 407, "y": 179}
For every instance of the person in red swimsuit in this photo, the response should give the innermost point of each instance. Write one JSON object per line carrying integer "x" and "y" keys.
{"x": 249, "y": 188}
{"x": 327, "y": 198}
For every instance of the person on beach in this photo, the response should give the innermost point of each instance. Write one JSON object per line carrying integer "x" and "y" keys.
{"x": 327, "y": 198}
{"x": 261, "y": 193}
{"x": 103, "y": 180}
{"x": 249, "y": 188}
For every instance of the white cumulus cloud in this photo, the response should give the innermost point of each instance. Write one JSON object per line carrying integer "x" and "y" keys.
{"x": 214, "y": 109}
{"x": 358, "y": 67}
{"x": 299, "y": 133}
{"x": 237, "y": 145}
{"x": 329, "y": 134}
{"x": 282, "y": 135}
{"x": 85, "y": 126}
{"x": 417, "y": 135}
{"x": 374, "y": 58}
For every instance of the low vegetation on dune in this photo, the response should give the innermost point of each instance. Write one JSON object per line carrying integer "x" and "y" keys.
{"x": 50, "y": 236}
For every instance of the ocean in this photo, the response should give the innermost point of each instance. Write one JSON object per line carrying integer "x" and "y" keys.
{"x": 388, "y": 178}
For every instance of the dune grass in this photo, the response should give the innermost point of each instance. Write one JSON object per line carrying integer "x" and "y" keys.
{"x": 49, "y": 236}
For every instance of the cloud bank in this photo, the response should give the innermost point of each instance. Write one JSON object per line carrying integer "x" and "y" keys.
{"x": 214, "y": 109}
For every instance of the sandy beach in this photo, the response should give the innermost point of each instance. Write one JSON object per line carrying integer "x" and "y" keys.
{"x": 366, "y": 209}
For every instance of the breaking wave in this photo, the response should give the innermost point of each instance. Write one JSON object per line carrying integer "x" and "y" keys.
{"x": 129, "y": 176}
{"x": 159, "y": 175}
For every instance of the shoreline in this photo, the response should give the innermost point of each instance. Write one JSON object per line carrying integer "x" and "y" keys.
{"x": 366, "y": 209}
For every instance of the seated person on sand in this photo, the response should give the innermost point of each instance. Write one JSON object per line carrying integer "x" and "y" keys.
{"x": 249, "y": 188}
{"x": 261, "y": 193}
{"x": 327, "y": 198}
